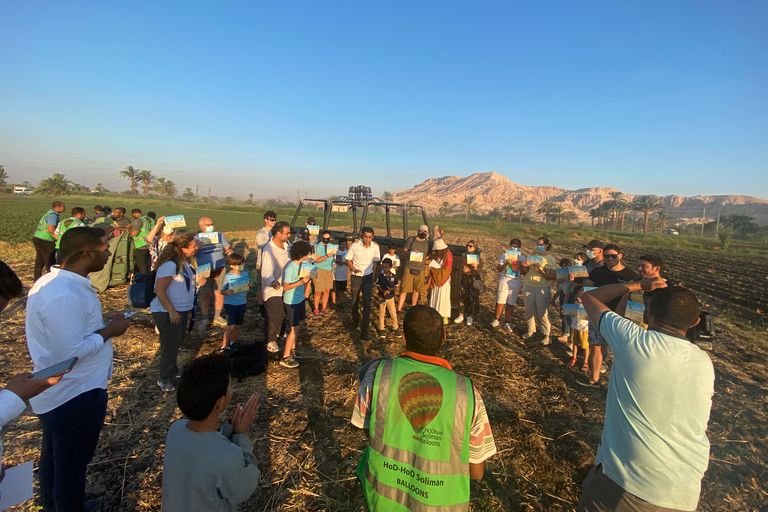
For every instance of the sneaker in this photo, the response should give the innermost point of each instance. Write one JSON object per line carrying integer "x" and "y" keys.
{"x": 295, "y": 355}
{"x": 383, "y": 333}
{"x": 458, "y": 319}
{"x": 603, "y": 368}
{"x": 289, "y": 362}
{"x": 282, "y": 337}
{"x": 469, "y": 320}
{"x": 325, "y": 311}
{"x": 495, "y": 322}
{"x": 398, "y": 332}
{"x": 365, "y": 337}
{"x": 203, "y": 324}
{"x": 546, "y": 341}
{"x": 507, "y": 328}
{"x": 528, "y": 335}
{"x": 221, "y": 322}
{"x": 272, "y": 347}
{"x": 317, "y": 312}
{"x": 230, "y": 350}
{"x": 588, "y": 384}
{"x": 157, "y": 331}
{"x": 167, "y": 387}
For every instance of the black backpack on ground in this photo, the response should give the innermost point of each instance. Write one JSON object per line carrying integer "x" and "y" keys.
{"x": 248, "y": 360}
{"x": 142, "y": 291}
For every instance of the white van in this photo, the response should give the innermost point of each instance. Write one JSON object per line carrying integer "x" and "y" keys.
{"x": 22, "y": 191}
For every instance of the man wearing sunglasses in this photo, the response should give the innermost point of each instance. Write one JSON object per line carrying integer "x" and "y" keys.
{"x": 262, "y": 239}
{"x": 612, "y": 272}
{"x": 324, "y": 280}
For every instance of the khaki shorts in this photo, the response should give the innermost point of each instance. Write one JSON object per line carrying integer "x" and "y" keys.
{"x": 580, "y": 338}
{"x": 412, "y": 283}
{"x": 323, "y": 281}
{"x": 213, "y": 284}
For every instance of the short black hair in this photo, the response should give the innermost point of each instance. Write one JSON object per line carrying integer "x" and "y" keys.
{"x": 611, "y": 247}
{"x": 674, "y": 306}
{"x": 565, "y": 262}
{"x": 299, "y": 249}
{"x": 136, "y": 210}
{"x": 98, "y": 208}
{"x": 653, "y": 259}
{"x": 77, "y": 210}
{"x": 387, "y": 261}
{"x": 423, "y": 330}
{"x": 326, "y": 232}
{"x": 279, "y": 227}
{"x": 121, "y": 209}
{"x": 75, "y": 241}
{"x": 56, "y": 204}
{"x": 367, "y": 229}
{"x": 311, "y": 219}
{"x": 10, "y": 284}
{"x": 235, "y": 259}
{"x": 515, "y": 241}
{"x": 152, "y": 215}
{"x": 107, "y": 210}
{"x": 342, "y": 241}
{"x": 269, "y": 214}
{"x": 203, "y": 381}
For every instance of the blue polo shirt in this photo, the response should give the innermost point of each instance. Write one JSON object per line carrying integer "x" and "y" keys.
{"x": 211, "y": 252}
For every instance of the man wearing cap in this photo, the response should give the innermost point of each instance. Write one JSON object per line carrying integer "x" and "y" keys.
{"x": 414, "y": 280}
{"x": 213, "y": 246}
{"x": 362, "y": 259}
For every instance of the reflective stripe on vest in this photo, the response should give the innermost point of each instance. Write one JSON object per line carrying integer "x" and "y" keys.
{"x": 146, "y": 226}
{"x": 63, "y": 227}
{"x": 418, "y": 458}
{"x": 42, "y": 227}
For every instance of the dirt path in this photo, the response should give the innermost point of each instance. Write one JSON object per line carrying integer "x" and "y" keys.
{"x": 546, "y": 427}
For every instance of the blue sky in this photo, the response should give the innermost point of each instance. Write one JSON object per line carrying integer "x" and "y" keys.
{"x": 270, "y": 97}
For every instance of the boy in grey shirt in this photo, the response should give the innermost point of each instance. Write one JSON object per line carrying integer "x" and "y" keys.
{"x": 207, "y": 469}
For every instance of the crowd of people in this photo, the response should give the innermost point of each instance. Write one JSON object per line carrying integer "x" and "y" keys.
{"x": 426, "y": 445}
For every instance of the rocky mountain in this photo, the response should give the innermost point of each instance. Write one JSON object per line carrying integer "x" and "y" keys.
{"x": 492, "y": 190}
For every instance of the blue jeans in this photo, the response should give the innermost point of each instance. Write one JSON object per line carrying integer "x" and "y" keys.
{"x": 70, "y": 434}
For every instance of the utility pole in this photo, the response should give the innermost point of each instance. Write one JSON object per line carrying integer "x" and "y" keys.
{"x": 197, "y": 189}
{"x": 209, "y": 194}
{"x": 703, "y": 221}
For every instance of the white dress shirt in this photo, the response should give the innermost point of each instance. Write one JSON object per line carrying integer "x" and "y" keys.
{"x": 10, "y": 407}
{"x": 363, "y": 257}
{"x": 273, "y": 260}
{"x": 63, "y": 315}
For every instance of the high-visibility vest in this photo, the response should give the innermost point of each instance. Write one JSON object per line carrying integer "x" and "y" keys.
{"x": 418, "y": 457}
{"x": 42, "y": 227}
{"x": 147, "y": 223}
{"x": 66, "y": 225}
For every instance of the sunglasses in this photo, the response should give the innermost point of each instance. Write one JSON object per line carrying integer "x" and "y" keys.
{"x": 470, "y": 246}
{"x": 610, "y": 256}
{"x": 326, "y": 239}
{"x": 271, "y": 220}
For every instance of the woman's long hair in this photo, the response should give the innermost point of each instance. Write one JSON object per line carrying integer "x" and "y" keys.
{"x": 173, "y": 252}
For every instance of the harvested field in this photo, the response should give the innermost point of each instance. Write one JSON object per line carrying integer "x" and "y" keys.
{"x": 546, "y": 427}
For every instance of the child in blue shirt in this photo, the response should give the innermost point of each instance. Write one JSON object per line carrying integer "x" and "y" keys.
{"x": 234, "y": 302}
{"x": 293, "y": 297}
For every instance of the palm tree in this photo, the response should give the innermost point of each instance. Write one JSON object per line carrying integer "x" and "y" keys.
{"x": 557, "y": 213}
{"x": 495, "y": 213}
{"x": 604, "y": 216}
{"x": 169, "y": 190}
{"x": 159, "y": 186}
{"x": 647, "y": 205}
{"x": 132, "y": 174}
{"x": 546, "y": 208}
{"x": 520, "y": 211}
{"x": 445, "y": 209}
{"x": 250, "y": 197}
{"x": 387, "y": 197}
{"x": 189, "y": 195}
{"x": 3, "y": 176}
{"x": 621, "y": 208}
{"x": 147, "y": 178}
{"x": 56, "y": 185}
{"x": 507, "y": 212}
{"x": 662, "y": 217}
{"x": 468, "y": 205}
{"x": 569, "y": 216}
{"x": 594, "y": 213}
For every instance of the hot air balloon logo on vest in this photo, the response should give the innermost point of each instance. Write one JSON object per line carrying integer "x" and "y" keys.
{"x": 421, "y": 397}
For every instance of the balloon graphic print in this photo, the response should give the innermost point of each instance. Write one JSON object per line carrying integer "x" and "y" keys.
{"x": 421, "y": 397}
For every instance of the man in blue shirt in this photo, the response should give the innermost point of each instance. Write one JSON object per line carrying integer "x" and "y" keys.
{"x": 213, "y": 247}
{"x": 654, "y": 448}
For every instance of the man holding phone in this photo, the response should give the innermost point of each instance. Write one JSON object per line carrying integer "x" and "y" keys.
{"x": 64, "y": 320}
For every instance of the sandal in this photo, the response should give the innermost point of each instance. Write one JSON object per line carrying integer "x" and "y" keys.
{"x": 573, "y": 362}
{"x": 584, "y": 367}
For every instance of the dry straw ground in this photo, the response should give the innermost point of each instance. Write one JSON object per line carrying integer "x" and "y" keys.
{"x": 546, "y": 427}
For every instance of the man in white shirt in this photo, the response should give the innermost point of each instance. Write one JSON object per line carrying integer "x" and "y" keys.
{"x": 654, "y": 448}
{"x": 263, "y": 237}
{"x": 64, "y": 320}
{"x": 21, "y": 387}
{"x": 362, "y": 259}
{"x": 273, "y": 259}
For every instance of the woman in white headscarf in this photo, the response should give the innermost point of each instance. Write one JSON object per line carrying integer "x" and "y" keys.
{"x": 439, "y": 280}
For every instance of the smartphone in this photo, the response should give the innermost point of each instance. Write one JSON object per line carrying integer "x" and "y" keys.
{"x": 56, "y": 370}
{"x": 129, "y": 314}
